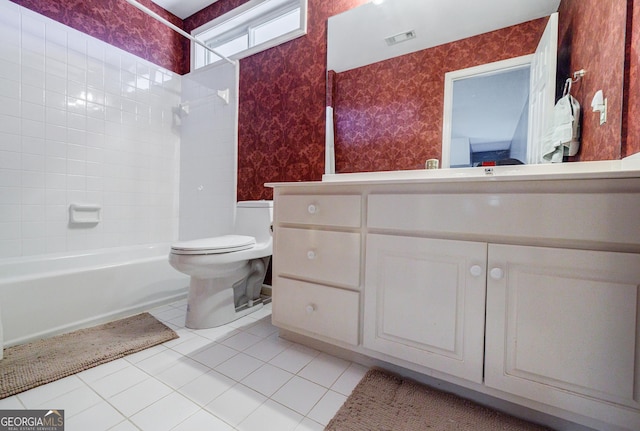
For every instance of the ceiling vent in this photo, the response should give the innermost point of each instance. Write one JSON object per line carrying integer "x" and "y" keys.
{"x": 400, "y": 37}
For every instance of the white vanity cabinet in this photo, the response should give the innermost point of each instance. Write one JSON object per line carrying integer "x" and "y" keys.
{"x": 425, "y": 301}
{"x": 316, "y": 265}
{"x": 526, "y": 291}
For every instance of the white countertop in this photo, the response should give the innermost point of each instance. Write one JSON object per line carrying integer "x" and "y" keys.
{"x": 625, "y": 168}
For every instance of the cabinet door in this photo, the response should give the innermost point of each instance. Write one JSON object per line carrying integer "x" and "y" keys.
{"x": 562, "y": 328}
{"x": 425, "y": 302}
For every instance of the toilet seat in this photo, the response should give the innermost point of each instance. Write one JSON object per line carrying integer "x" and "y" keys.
{"x": 215, "y": 245}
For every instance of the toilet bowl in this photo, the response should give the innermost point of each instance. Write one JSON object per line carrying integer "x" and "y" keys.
{"x": 227, "y": 271}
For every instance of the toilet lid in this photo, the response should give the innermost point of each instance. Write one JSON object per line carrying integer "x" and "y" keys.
{"x": 218, "y": 244}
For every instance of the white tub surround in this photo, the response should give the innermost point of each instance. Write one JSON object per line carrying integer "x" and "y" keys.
{"x": 208, "y": 152}
{"x": 45, "y": 296}
{"x": 85, "y": 123}
{"x": 517, "y": 288}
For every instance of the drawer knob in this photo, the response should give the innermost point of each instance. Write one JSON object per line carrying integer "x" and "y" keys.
{"x": 311, "y": 255}
{"x": 496, "y": 273}
{"x": 476, "y": 270}
{"x": 312, "y": 208}
{"x": 310, "y": 308}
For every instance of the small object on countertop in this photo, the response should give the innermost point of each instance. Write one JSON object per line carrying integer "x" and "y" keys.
{"x": 431, "y": 164}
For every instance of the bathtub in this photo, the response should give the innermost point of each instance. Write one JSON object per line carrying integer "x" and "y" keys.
{"x": 46, "y": 295}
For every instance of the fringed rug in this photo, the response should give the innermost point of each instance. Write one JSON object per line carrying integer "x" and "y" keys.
{"x": 382, "y": 401}
{"x": 29, "y": 365}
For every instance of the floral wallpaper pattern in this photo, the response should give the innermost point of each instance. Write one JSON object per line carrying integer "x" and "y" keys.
{"x": 579, "y": 21}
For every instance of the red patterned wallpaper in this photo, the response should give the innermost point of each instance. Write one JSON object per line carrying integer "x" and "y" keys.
{"x": 282, "y": 103}
{"x": 122, "y": 25}
{"x": 388, "y": 115}
{"x": 603, "y": 59}
{"x": 631, "y": 130}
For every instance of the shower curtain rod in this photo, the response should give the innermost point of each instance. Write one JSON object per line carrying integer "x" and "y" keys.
{"x": 177, "y": 29}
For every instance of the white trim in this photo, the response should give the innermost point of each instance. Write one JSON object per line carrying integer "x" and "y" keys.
{"x": 301, "y": 31}
{"x": 449, "y": 77}
{"x": 329, "y": 143}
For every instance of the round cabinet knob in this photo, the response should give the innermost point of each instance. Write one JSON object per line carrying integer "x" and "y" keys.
{"x": 476, "y": 270}
{"x": 496, "y": 273}
{"x": 311, "y": 254}
{"x": 312, "y": 208}
{"x": 310, "y": 308}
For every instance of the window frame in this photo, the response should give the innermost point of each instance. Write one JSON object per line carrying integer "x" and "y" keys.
{"x": 200, "y": 54}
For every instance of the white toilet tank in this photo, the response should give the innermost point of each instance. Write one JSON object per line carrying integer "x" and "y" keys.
{"x": 254, "y": 218}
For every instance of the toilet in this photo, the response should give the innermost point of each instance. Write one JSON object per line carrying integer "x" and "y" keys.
{"x": 227, "y": 271}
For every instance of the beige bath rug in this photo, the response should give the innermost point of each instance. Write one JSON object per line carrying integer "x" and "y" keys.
{"x": 29, "y": 365}
{"x": 383, "y": 402}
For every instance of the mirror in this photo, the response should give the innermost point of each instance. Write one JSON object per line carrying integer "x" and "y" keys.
{"x": 387, "y": 96}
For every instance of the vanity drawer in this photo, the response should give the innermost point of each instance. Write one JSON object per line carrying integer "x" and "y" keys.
{"x": 547, "y": 217}
{"x": 322, "y": 256}
{"x": 319, "y": 210}
{"x": 321, "y": 310}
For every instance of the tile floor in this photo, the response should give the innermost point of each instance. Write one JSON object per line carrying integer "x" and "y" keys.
{"x": 240, "y": 376}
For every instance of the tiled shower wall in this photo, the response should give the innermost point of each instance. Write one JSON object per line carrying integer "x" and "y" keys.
{"x": 82, "y": 122}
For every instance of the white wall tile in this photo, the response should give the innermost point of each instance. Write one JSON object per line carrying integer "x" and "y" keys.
{"x": 32, "y": 128}
{"x": 9, "y": 142}
{"x": 9, "y": 70}
{"x": 32, "y": 94}
{"x": 9, "y": 106}
{"x": 9, "y": 51}
{"x": 55, "y": 100}
{"x": 9, "y": 88}
{"x": 32, "y": 76}
{"x": 32, "y": 59}
{"x": 33, "y": 111}
{"x": 10, "y": 213}
{"x": 11, "y": 195}
{"x": 55, "y": 83}
{"x": 32, "y": 162}
{"x": 56, "y": 117}
{"x": 64, "y": 139}
{"x": 9, "y": 160}
{"x": 33, "y": 179}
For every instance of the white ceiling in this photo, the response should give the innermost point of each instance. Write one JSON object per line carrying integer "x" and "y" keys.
{"x": 356, "y": 37}
{"x": 183, "y": 8}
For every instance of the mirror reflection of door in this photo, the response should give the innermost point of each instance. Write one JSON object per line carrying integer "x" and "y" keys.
{"x": 499, "y": 112}
{"x": 490, "y": 118}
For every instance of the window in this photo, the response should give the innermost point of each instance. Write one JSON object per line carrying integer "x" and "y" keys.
{"x": 253, "y": 27}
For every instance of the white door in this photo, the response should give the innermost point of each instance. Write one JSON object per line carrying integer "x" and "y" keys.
{"x": 562, "y": 329}
{"x": 543, "y": 89}
{"x": 424, "y": 302}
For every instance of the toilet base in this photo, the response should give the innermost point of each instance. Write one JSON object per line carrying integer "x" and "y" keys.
{"x": 215, "y": 302}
